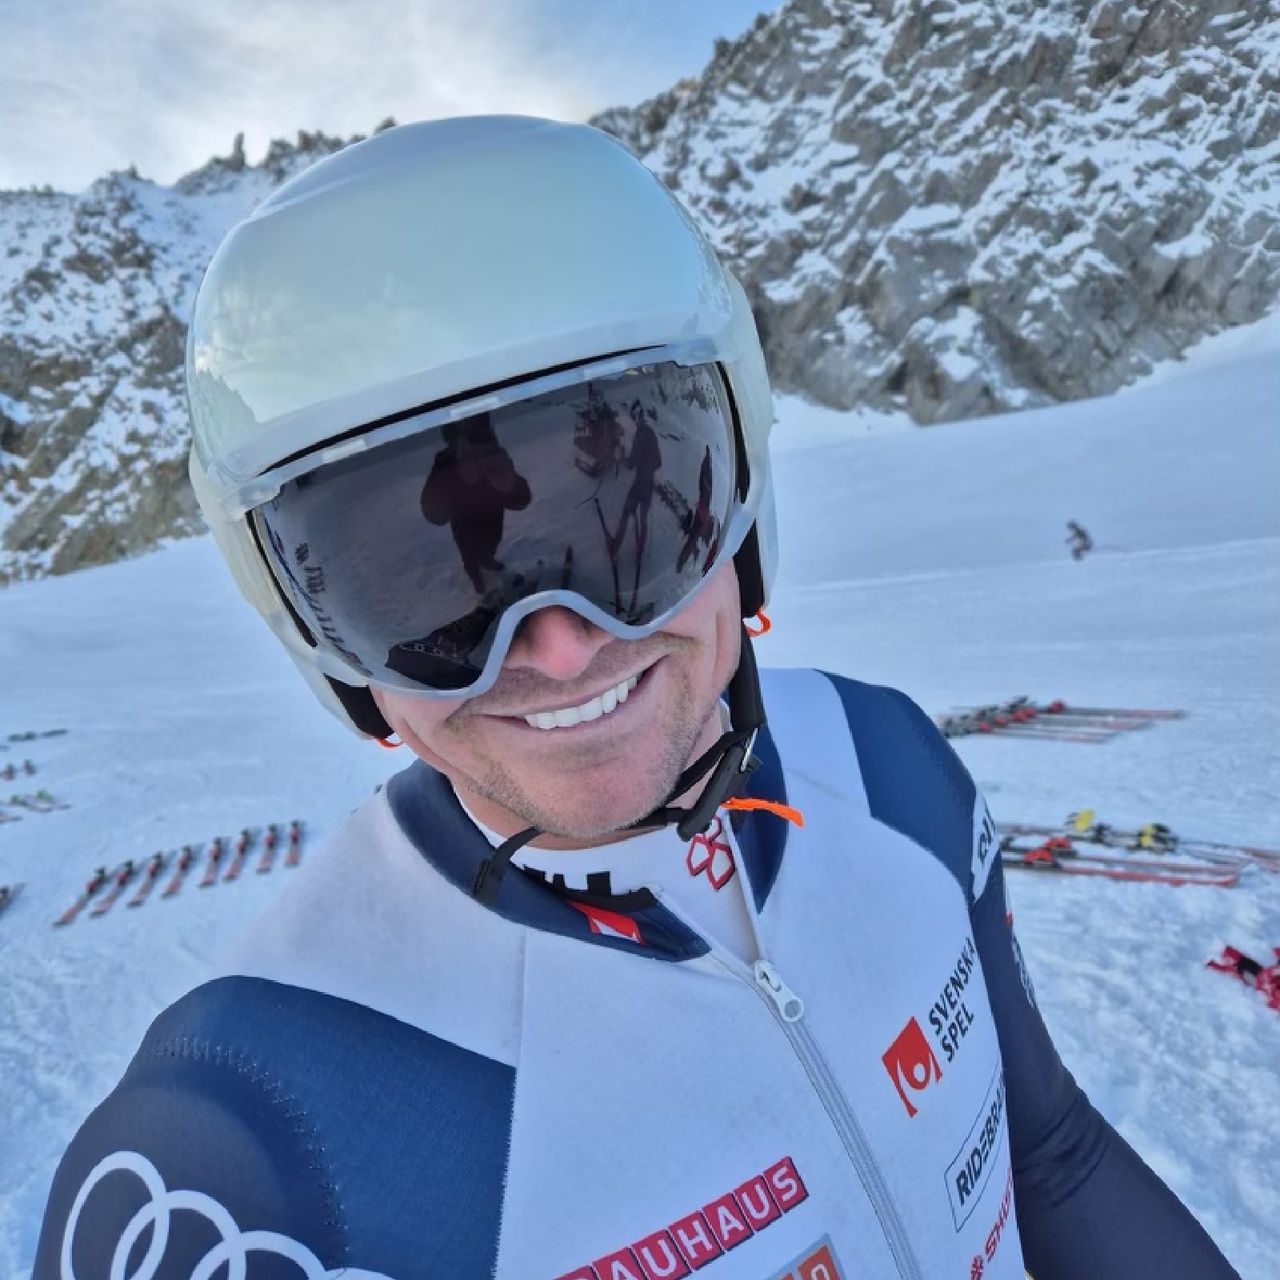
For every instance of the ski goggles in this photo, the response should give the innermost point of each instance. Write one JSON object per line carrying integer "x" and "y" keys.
{"x": 411, "y": 563}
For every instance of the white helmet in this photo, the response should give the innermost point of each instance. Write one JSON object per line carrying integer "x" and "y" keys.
{"x": 448, "y": 263}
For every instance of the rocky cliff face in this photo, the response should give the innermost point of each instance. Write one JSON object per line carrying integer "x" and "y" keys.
{"x": 951, "y": 207}
{"x": 94, "y": 294}
{"x": 958, "y": 207}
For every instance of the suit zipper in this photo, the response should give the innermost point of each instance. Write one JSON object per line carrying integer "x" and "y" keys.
{"x": 788, "y": 1011}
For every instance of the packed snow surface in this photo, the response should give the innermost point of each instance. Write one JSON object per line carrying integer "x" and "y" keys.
{"x": 934, "y": 560}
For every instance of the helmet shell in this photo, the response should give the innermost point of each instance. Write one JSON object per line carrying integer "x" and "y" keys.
{"x": 430, "y": 262}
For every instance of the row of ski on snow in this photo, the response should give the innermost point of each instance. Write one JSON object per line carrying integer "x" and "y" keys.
{"x": 135, "y": 880}
{"x": 222, "y": 861}
{"x": 1057, "y": 720}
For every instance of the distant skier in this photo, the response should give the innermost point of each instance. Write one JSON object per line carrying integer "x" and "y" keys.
{"x": 1078, "y": 540}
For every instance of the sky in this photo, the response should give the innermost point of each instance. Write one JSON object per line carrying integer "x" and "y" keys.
{"x": 88, "y": 86}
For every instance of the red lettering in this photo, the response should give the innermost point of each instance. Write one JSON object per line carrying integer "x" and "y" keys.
{"x": 694, "y": 1240}
{"x": 658, "y": 1257}
{"x": 727, "y": 1222}
{"x": 755, "y": 1201}
{"x": 618, "y": 1266}
{"x": 819, "y": 1265}
{"x": 785, "y": 1184}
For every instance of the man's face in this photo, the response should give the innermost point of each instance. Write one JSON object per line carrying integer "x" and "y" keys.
{"x": 592, "y": 778}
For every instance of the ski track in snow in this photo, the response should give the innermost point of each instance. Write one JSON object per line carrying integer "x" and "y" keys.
{"x": 933, "y": 560}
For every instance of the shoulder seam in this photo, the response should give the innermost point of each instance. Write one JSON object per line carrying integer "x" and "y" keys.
{"x": 197, "y": 1050}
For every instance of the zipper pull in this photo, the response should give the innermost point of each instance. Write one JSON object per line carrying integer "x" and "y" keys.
{"x": 789, "y": 1005}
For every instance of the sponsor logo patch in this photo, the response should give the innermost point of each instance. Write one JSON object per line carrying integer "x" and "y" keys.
{"x": 968, "y": 1174}
{"x": 996, "y": 1234}
{"x": 817, "y": 1262}
{"x": 710, "y": 854}
{"x": 911, "y": 1060}
{"x": 984, "y": 847}
{"x": 610, "y": 924}
{"x": 911, "y": 1063}
{"x": 692, "y": 1241}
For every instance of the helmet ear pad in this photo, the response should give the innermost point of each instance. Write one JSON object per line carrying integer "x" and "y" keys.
{"x": 750, "y": 570}
{"x": 360, "y": 707}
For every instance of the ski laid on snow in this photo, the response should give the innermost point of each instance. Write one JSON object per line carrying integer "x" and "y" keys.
{"x": 119, "y": 878}
{"x": 1058, "y": 854}
{"x": 1021, "y": 715}
{"x": 150, "y": 874}
{"x": 1154, "y": 837}
{"x": 186, "y": 856}
{"x": 238, "y": 853}
{"x": 1264, "y": 979}
{"x": 91, "y": 886}
{"x": 212, "y": 859}
{"x": 293, "y": 846}
{"x": 269, "y": 838}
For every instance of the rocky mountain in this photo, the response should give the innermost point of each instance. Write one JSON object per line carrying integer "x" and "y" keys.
{"x": 958, "y": 207}
{"x": 94, "y": 293}
{"x": 947, "y": 207}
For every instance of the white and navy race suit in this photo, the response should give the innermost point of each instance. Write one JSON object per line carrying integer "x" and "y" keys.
{"x": 850, "y": 1081}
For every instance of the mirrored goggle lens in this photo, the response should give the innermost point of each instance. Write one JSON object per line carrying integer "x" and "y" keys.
{"x": 402, "y": 560}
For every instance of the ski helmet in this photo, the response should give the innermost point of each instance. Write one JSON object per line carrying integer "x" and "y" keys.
{"x": 424, "y": 281}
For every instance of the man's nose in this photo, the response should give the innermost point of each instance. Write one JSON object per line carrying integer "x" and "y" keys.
{"x": 557, "y": 642}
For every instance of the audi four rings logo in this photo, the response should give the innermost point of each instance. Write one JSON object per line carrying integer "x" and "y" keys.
{"x": 228, "y": 1259}
{"x": 911, "y": 1063}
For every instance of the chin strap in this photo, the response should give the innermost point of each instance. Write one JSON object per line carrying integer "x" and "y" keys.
{"x": 730, "y": 760}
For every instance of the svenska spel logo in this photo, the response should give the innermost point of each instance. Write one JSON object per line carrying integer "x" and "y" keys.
{"x": 911, "y": 1063}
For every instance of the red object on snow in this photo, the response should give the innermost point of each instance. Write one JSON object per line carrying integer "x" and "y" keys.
{"x": 1265, "y": 979}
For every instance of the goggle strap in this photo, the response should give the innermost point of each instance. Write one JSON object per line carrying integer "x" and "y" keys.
{"x": 731, "y": 756}
{"x": 484, "y": 888}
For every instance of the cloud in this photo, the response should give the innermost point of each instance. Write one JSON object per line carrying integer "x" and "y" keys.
{"x": 92, "y": 85}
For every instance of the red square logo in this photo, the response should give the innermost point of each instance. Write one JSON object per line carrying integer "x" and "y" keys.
{"x": 618, "y": 1266}
{"x": 819, "y": 1265}
{"x": 755, "y": 1201}
{"x": 785, "y": 1184}
{"x": 694, "y": 1240}
{"x": 659, "y": 1258}
{"x": 911, "y": 1062}
{"x": 728, "y": 1222}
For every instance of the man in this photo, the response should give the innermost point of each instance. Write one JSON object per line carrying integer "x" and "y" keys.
{"x": 547, "y": 1035}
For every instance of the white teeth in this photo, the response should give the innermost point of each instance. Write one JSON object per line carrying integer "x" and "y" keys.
{"x": 567, "y": 717}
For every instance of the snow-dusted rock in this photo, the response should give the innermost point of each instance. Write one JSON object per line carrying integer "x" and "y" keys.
{"x": 957, "y": 207}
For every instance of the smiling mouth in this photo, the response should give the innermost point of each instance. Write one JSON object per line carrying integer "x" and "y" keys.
{"x": 593, "y": 709}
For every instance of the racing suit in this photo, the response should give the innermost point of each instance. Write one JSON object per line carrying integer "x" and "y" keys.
{"x": 396, "y": 1080}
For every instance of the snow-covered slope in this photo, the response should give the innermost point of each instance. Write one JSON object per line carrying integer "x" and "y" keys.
{"x": 930, "y": 560}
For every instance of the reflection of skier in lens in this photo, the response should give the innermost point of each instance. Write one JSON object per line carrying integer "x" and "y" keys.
{"x": 1078, "y": 540}
{"x": 645, "y": 460}
{"x": 472, "y": 485}
{"x": 700, "y": 524}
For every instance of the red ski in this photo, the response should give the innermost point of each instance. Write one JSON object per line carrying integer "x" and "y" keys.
{"x": 186, "y": 856}
{"x": 210, "y": 876}
{"x": 1057, "y": 854}
{"x": 293, "y": 851}
{"x": 150, "y": 874}
{"x": 91, "y": 886}
{"x": 120, "y": 877}
{"x": 1264, "y": 979}
{"x": 269, "y": 838}
{"x": 238, "y": 852}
